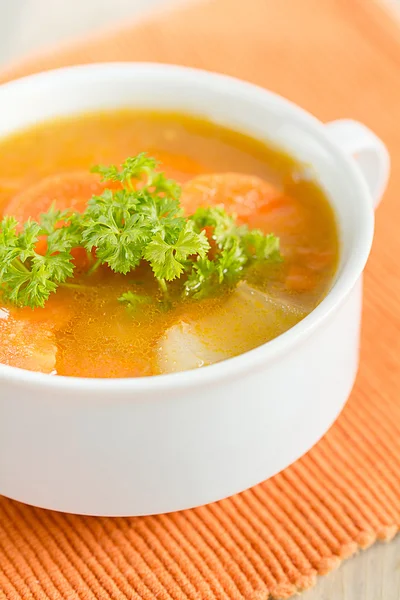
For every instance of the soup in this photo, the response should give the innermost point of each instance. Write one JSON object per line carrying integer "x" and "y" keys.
{"x": 219, "y": 288}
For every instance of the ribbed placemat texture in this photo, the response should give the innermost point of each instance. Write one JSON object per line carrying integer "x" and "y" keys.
{"x": 337, "y": 58}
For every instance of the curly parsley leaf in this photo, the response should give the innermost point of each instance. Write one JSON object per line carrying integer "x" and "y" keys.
{"x": 119, "y": 242}
{"x": 133, "y": 168}
{"x": 207, "y": 276}
{"x": 237, "y": 248}
{"x": 26, "y": 277}
{"x": 260, "y": 246}
{"x": 224, "y": 226}
{"x": 202, "y": 279}
{"x": 168, "y": 259}
{"x": 63, "y": 229}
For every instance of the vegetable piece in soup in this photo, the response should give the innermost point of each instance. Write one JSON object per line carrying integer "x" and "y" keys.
{"x": 28, "y": 337}
{"x": 71, "y": 190}
{"x": 238, "y": 193}
{"x": 114, "y": 264}
{"x": 247, "y": 319}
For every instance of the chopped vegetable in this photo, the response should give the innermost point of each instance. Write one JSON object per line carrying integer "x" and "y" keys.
{"x": 70, "y": 190}
{"x": 237, "y": 193}
{"x": 27, "y": 345}
{"x": 182, "y": 348}
{"x": 248, "y": 317}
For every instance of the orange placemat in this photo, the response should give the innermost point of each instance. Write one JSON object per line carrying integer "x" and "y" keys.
{"x": 337, "y": 58}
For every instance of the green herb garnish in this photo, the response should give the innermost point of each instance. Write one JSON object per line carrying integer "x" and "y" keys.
{"x": 237, "y": 248}
{"x": 141, "y": 222}
{"x": 26, "y": 277}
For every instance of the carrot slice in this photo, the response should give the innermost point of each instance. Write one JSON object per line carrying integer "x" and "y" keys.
{"x": 257, "y": 203}
{"x": 27, "y": 337}
{"x": 55, "y": 315}
{"x": 67, "y": 190}
{"x": 26, "y": 345}
{"x": 243, "y": 195}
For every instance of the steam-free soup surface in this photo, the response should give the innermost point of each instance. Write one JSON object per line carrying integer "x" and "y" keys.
{"x": 84, "y": 330}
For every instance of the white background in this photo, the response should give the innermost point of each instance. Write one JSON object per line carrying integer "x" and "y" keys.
{"x": 28, "y": 26}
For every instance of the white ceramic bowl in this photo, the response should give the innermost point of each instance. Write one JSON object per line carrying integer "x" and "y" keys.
{"x": 152, "y": 445}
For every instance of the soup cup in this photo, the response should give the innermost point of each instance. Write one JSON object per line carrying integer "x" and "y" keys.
{"x": 171, "y": 442}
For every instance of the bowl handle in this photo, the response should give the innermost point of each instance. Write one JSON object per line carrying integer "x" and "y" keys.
{"x": 369, "y": 152}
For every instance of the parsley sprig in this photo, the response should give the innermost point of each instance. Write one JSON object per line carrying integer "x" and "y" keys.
{"x": 137, "y": 219}
{"x": 237, "y": 248}
{"x": 27, "y": 278}
{"x": 142, "y": 221}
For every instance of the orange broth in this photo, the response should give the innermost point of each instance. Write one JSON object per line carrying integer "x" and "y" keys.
{"x": 86, "y": 332}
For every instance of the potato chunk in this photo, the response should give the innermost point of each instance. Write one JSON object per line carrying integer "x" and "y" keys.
{"x": 247, "y": 319}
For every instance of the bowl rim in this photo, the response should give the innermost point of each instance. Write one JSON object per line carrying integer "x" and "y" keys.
{"x": 266, "y": 353}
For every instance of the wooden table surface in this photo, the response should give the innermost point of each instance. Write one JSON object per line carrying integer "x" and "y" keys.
{"x": 29, "y": 25}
